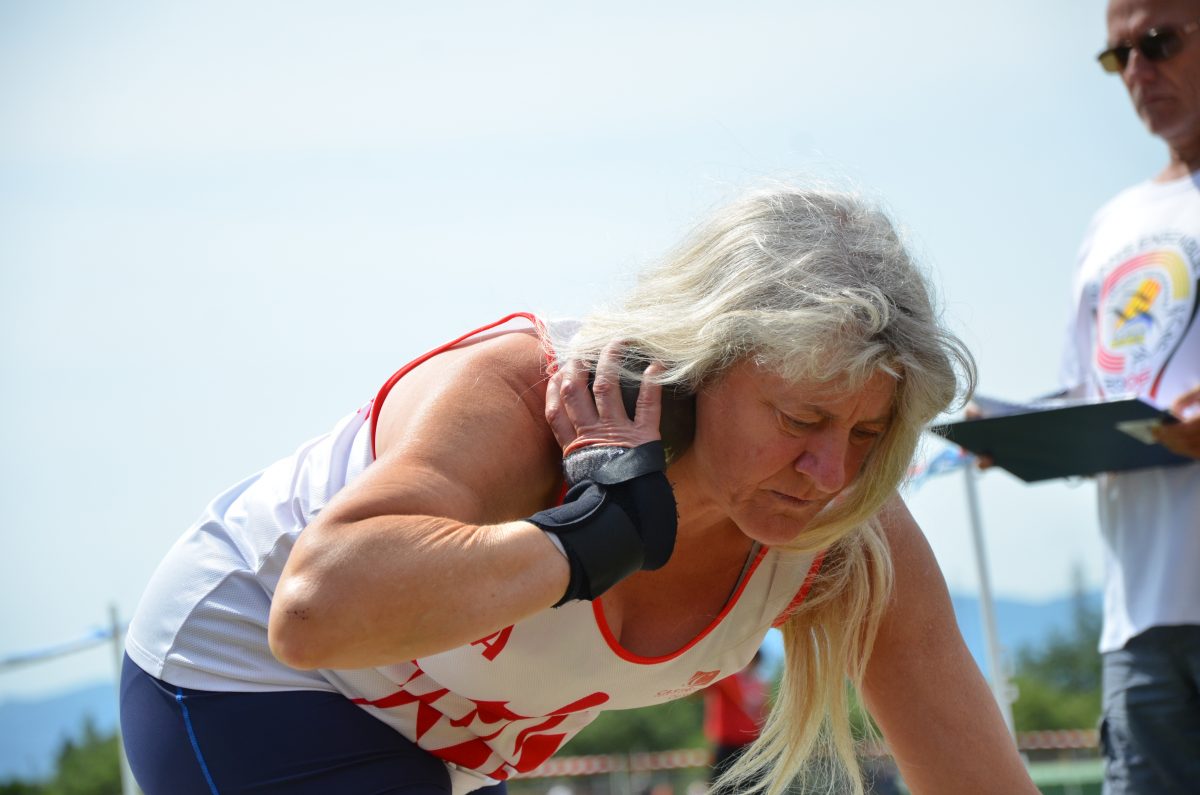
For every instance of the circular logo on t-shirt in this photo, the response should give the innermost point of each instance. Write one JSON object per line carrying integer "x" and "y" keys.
{"x": 1145, "y": 305}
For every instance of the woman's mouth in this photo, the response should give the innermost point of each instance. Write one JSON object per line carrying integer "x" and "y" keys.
{"x": 790, "y": 500}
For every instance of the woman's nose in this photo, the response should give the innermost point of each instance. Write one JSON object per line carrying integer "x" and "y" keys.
{"x": 824, "y": 460}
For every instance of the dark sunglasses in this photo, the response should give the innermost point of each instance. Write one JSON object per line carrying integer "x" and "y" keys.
{"x": 1156, "y": 44}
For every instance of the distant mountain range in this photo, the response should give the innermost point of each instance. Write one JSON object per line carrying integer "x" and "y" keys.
{"x": 32, "y": 731}
{"x": 1019, "y": 624}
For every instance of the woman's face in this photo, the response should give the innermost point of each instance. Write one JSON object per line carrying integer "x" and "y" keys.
{"x": 771, "y": 453}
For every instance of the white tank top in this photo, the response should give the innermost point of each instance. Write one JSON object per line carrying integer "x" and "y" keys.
{"x": 493, "y": 708}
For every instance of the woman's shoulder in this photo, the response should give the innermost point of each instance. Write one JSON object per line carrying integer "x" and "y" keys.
{"x": 476, "y": 413}
{"x": 520, "y": 352}
{"x": 490, "y": 390}
{"x": 484, "y": 368}
{"x": 523, "y": 353}
{"x": 498, "y": 369}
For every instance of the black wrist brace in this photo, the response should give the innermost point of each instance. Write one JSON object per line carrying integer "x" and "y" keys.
{"x": 617, "y": 519}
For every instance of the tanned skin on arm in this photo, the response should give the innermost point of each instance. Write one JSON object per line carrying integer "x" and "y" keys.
{"x": 923, "y": 688}
{"x": 421, "y": 552}
{"x": 1183, "y": 437}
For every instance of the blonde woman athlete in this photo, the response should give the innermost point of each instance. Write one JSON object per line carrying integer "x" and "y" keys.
{"x": 437, "y": 594}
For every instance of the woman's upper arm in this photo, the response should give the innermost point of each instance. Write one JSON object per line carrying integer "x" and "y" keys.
{"x": 463, "y": 436}
{"x": 924, "y": 690}
{"x": 421, "y": 552}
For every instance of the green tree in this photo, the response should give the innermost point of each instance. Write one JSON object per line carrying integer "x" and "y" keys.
{"x": 88, "y": 765}
{"x": 665, "y": 727}
{"x": 1059, "y": 682}
{"x": 14, "y": 786}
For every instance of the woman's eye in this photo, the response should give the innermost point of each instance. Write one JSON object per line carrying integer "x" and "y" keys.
{"x": 866, "y": 434}
{"x": 795, "y": 423}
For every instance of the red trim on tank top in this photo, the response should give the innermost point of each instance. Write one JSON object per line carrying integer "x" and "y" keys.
{"x": 798, "y": 599}
{"x": 377, "y": 405}
{"x": 628, "y": 656}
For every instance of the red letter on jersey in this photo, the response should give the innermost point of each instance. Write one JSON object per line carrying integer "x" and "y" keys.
{"x": 494, "y": 644}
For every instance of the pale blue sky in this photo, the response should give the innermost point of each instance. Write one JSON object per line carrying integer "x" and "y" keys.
{"x": 222, "y": 225}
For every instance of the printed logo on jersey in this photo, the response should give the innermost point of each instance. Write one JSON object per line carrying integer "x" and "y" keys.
{"x": 1145, "y": 304}
{"x": 486, "y": 736}
{"x": 699, "y": 679}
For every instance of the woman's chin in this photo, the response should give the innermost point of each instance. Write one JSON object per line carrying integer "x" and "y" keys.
{"x": 777, "y": 529}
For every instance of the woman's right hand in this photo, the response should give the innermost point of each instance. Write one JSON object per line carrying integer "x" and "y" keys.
{"x": 582, "y": 417}
{"x": 619, "y": 514}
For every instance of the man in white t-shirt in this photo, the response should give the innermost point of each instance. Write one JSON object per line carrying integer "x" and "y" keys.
{"x": 1135, "y": 330}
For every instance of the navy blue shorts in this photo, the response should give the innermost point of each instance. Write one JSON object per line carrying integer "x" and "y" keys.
{"x": 196, "y": 742}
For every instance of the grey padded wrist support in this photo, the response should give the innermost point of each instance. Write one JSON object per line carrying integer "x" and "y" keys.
{"x": 583, "y": 463}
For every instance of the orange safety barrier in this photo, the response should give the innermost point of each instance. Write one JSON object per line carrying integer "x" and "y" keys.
{"x": 568, "y": 766}
{"x": 1058, "y": 740}
{"x": 565, "y": 766}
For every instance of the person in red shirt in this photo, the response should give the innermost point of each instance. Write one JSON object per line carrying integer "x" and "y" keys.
{"x": 734, "y": 711}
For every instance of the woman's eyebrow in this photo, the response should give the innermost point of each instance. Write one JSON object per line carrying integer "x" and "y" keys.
{"x": 824, "y": 413}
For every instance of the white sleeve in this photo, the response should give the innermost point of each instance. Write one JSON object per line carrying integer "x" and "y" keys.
{"x": 1073, "y": 374}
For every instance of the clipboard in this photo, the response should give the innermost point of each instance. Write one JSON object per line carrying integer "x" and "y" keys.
{"x": 1057, "y": 441}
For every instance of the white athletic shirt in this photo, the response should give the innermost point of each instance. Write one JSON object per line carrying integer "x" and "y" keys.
{"x": 501, "y": 705}
{"x": 1135, "y": 331}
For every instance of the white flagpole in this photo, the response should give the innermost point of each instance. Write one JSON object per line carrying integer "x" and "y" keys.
{"x": 1000, "y": 684}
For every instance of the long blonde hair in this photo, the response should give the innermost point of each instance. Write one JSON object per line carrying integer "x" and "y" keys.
{"x": 815, "y": 284}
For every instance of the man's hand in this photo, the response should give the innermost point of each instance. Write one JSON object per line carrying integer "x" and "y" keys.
{"x": 973, "y": 412}
{"x": 1183, "y": 437}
